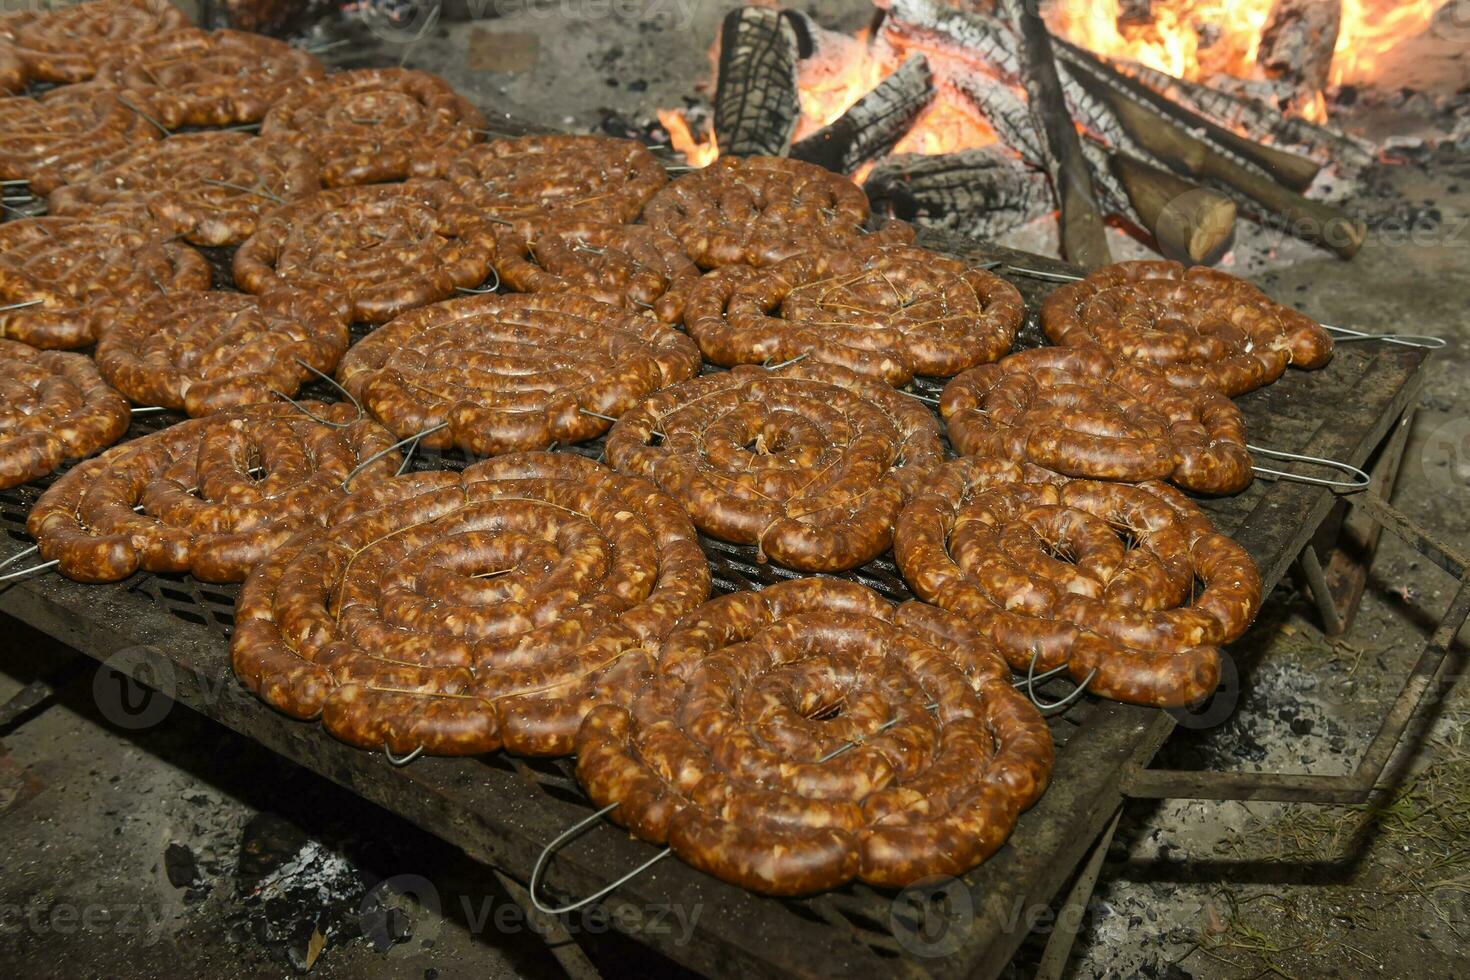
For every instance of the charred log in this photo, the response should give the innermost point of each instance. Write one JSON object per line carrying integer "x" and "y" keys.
{"x": 1084, "y": 238}
{"x": 1292, "y": 170}
{"x": 756, "y": 104}
{"x": 1188, "y": 154}
{"x": 982, "y": 192}
{"x": 1299, "y": 40}
{"x": 1191, "y": 224}
{"x": 876, "y": 122}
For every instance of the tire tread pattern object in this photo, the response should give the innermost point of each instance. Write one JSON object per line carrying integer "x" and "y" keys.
{"x": 887, "y": 312}
{"x": 1079, "y": 412}
{"x": 67, "y": 134}
{"x": 210, "y": 497}
{"x": 1128, "y": 585}
{"x": 760, "y": 210}
{"x": 212, "y": 352}
{"x": 374, "y": 125}
{"x": 210, "y": 188}
{"x": 811, "y": 463}
{"x": 521, "y": 183}
{"x": 812, "y": 733}
{"x": 1199, "y": 327}
{"x": 513, "y": 373}
{"x": 461, "y": 612}
{"x": 54, "y": 407}
{"x": 192, "y": 77}
{"x": 83, "y": 272}
{"x": 65, "y": 45}
{"x": 389, "y": 247}
{"x": 625, "y": 265}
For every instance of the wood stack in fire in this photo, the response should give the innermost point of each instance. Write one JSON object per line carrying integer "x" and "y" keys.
{"x": 1076, "y": 133}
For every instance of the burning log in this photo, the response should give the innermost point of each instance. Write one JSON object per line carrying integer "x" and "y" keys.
{"x": 983, "y": 192}
{"x": 1299, "y": 40}
{"x": 756, "y": 103}
{"x": 1190, "y": 223}
{"x": 1290, "y": 169}
{"x": 1186, "y": 153}
{"x": 1084, "y": 238}
{"x": 875, "y": 122}
{"x": 1239, "y": 112}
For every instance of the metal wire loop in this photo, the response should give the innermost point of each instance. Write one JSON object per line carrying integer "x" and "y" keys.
{"x": 19, "y": 555}
{"x": 1043, "y": 274}
{"x": 556, "y": 844}
{"x": 404, "y": 760}
{"x": 21, "y": 306}
{"x": 333, "y": 382}
{"x": 1425, "y": 341}
{"x": 1360, "y": 482}
{"x": 481, "y": 290}
{"x": 777, "y": 367}
{"x": 26, "y": 571}
{"x": 1031, "y": 680}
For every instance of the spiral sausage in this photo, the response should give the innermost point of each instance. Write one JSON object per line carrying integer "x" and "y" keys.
{"x": 1199, "y": 327}
{"x": 456, "y": 613}
{"x": 209, "y": 188}
{"x": 520, "y": 183}
{"x": 211, "y": 352}
{"x": 509, "y": 373}
{"x": 810, "y": 463}
{"x": 811, "y": 733}
{"x": 1097, "y": 576}
{"x": 1078, "y": 411}
{"x": 207, "y": 78}
{"x": 53, "y": 408}
{"x": 886, "y": 312}
{"x": 208, "y": 496}
{"x": 67, "y": 134}
{"x": 66, "y": 45}
{"x": 375, "y": 125}
{"x": 760, "y": 210}
{"x": 389, "y": 247}
{"x": 83, "y": 272}
{"x": 625, "y": 265}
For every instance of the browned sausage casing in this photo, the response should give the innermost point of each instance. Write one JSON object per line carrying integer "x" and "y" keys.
{"x": 760, "y": 210}
{"x": 810, "y": 463}
{"x": 885, "y": 311}
{"x": 1199, "y": 327}
{"x": 374, "y": 125}
{"x": 210, "y": 352}
{"x": 389, "y": 247}
{"x": 210, "y": 496}
{"x": 796, "y": 738}
{"x": 523, "y": 182}
{"x": 1079, "y": 412}
{"x": 67, "y": 134}
{"x": 625, "y": 265}
{"x": 83, "y": 271}
{"x": 209, "y": 188}
{"x": 54, "y": 407}
{"x": 66, "y": 44}
{"x": 459, "y": 612}
{"x": 513, "y": 373}
{"x": 206, "y": 78}
{"x": 1098, "y": 576}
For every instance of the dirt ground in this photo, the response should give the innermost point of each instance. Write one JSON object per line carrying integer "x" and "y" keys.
{"x": 182, "y": 849}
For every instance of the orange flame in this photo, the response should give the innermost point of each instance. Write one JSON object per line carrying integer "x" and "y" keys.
{"x": 698, "y": 152}
{"x": 1195, "y": 39}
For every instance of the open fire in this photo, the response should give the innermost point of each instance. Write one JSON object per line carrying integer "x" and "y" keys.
{"x": 1210, "y": 41}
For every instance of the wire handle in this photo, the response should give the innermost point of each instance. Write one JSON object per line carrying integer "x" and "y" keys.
{"x": 1042, "y": 274}
{"x": 556, "y": 844}
{"x": 1422, "y": 340}
{"x": 1031, "y": 678}
{"x": 347, "y": 483}
{"x": 34, "y": 568}
{"x": 401, "y": 761}
{"x": 1361, "y": 480}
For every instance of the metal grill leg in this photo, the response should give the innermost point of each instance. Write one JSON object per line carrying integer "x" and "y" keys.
{"x": 1073, "y": 912}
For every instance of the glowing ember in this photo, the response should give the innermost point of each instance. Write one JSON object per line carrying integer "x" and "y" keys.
{"x": 827, "y": 86}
